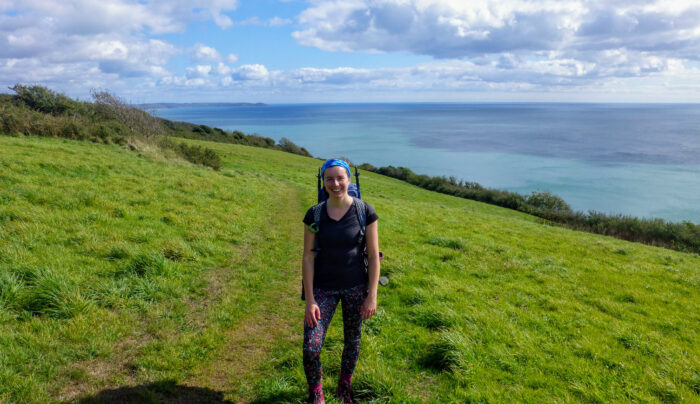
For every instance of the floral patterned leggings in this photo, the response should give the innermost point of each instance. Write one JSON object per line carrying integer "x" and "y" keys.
{"x": 327, "y": 301}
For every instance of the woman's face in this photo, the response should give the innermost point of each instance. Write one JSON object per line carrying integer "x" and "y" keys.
{"x": 335, "y": 180}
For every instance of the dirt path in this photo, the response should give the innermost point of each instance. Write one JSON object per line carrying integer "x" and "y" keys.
{"x": 234, "y": 371}
{"x": 277, "y": 318}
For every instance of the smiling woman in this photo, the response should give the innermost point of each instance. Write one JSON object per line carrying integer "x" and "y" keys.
{"x": 333, "y": 269}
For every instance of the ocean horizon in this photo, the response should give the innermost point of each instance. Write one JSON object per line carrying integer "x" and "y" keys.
{"x": 633, "y": 159}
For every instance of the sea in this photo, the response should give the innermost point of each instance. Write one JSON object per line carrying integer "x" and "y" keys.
{"x": 638, "y": 160}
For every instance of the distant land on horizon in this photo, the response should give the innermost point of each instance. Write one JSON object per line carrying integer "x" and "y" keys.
{"x": 163, "y": 105}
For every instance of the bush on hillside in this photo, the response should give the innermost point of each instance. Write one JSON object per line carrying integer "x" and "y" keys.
{"x": 289, "y": 146}
{"x": 111, "y": 107}
{"x": 260, "y": 141}
{"x": 547, "y": 201}
{"x": 194, "y": 154}
{"x": 683, "y": 236}
{"x": 42, "y": 99}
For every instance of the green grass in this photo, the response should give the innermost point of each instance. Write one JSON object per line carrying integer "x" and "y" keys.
{"x": 128, "y": 276}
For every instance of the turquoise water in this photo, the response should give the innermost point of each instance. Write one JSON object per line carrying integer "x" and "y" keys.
{"x": 639, "y": 160}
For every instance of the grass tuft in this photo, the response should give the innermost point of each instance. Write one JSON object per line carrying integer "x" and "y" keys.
{"x": 434, "y": 318}
{"x": 11, "y": 287}
{"x": 279, "y": 390}
{"x": 54, "y": 296}
{"x": 117, "y": 252}
{"x": 693, "y": 383}
{"x": 373, "y": 325}
{"x": 667, "y": 393}
{"x": 445, "y": 353}
{"x": 373, "y": 388}
{"x": 629, "y": 341}
{"x": 146, "y": 264}
{"x": 453, "y": 243}
{"x": 177, "y": 252}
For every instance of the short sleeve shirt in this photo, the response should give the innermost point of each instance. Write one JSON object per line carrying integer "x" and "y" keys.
{"x": 340, "y": 263}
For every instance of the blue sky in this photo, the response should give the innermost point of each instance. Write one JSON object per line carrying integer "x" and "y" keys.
{"x": 356, "y": 50}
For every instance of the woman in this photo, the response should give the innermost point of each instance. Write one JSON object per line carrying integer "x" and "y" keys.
{"x": 336, "y": 272}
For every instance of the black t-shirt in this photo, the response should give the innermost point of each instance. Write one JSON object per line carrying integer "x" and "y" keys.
{"x": 339, "y": 263}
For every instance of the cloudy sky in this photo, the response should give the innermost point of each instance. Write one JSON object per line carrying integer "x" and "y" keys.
{"x": 288, "y": 51}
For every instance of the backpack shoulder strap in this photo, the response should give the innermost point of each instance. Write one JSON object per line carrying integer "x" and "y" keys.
{"x": 361, "y": 213}
{"x": 317, "y": 210}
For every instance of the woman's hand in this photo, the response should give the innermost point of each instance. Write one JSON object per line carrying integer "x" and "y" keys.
{"x": 312, "y": 315}
{"x": 369, "y": 307}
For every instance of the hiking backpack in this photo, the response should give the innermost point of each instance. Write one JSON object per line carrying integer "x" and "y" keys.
{"x": 360, "y": 213}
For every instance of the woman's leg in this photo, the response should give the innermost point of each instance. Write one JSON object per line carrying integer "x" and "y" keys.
{"x": 313, "y": 337}
{"x": 352, "y": 300}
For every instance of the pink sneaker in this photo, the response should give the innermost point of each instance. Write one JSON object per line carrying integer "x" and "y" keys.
{"x": 344, "y": 393}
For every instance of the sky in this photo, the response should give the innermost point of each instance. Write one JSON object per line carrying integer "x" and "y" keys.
{"x": 294, "y": 51}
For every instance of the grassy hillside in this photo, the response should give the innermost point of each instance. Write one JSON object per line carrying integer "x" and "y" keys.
{"x": 124, "y": 276}
{"x": 38, "y": 111}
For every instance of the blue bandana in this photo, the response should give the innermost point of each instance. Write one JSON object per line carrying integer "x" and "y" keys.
{"x": 335, "y": 162}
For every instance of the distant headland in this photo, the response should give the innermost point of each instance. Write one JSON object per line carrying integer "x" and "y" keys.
{"x": 165, "y": 105}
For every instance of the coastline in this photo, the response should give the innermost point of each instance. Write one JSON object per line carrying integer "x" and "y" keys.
{"x": 602, "y": 183}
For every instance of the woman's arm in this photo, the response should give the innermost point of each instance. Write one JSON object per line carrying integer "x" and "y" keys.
{"x": 313, "y": 312}
{"x": 369, "y": 307}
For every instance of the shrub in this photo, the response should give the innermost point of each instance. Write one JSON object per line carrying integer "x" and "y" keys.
{"x": 42, "y": 99}
{"x": 547, "y": 201}
{"x": 194, "y": 154}
{"x": 238, "y": 135}
{"x": 70, "y": 130}
{"x": 260, "y": 141}
{"x": 683, "y": 236}
{"x": 10, "y": 120}
{"x": 289, "y": 146}
{"x": 110, "y": 107}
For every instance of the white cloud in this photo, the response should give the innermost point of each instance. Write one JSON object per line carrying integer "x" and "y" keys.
{"x": 506, "y": 46}
{"x": 198, "y": 71}
{"x": 278, "y": 22}
{"x": 439, "y": 28}
{"x": 222, "y": 70}
{"x": 272, "y": 22}
{"x": 251, "y": 21}
{"x": 81, "y": 42}
{"x": 223, "y": 21}
{"x": 337, "y": 76}
{"x": 624, "y": 37}
{"x": 505, "y": 76}
{"x": 251, "y": 72}
{"x": 202, "y": 52}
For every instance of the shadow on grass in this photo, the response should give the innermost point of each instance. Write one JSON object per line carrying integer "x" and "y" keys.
{"x": 167, "y": 391}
